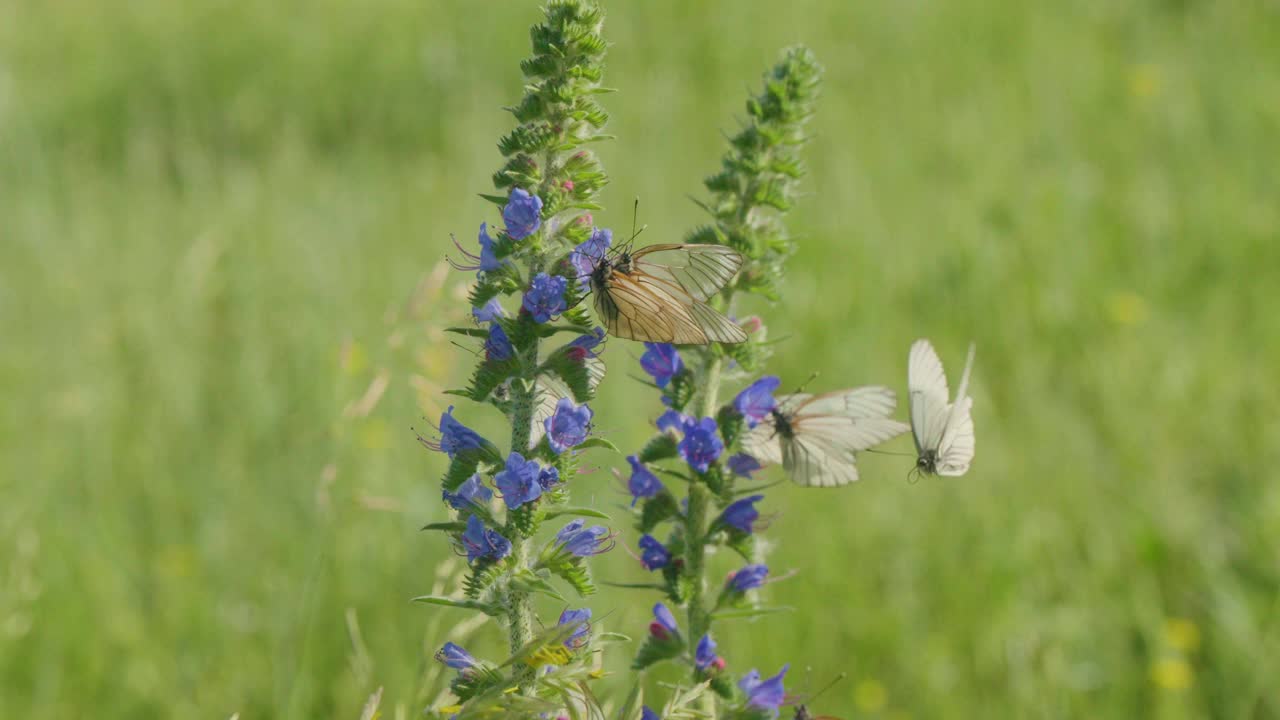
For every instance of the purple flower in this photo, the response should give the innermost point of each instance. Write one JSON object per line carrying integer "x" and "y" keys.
{"x": 579, "y": 636}
{"x": 521, "y": 214}
{"x": 643, "y": 483}
{"x": 455, "y": 437}
{"x": 756, "y": 401}
{"x": 701, "y": 445}
{"x": 662, "y": 362}
{"x": 482, "y": 543}
{"x": 585, "y": 345}
{"x": 518, "y": 481}
{"x": 742, "y": 514}
{"x": 545, "y": 297}
{"x": 455, "y": 657}
{"x": 653, "y": 554}
{"x": 548, "y": 477}
{"x": 743, "y": 464}
{"x": 664, "y": 623}
{"x": 568, "y": 425}
{"x": 471, "y": 492}
{"x": 488, "y": 312}
{"x": 584, "y": 542}
{"x": 764, "y": 695}
{"x": 647, "y": 714}
{"x": 749, "y": 577}
{"x": 497, "y": 347}
{"x": 586, "y": 256}
{"x": 671, "y": 421}
{"x": 486, "y": 261}
{"x": 705, "y": 655}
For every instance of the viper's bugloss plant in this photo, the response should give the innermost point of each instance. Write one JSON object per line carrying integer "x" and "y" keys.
{"x": 699, "y": 440}
{"x": 538, "y": 364}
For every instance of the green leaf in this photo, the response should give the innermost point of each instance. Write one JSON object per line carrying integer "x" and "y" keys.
{"x": 599, "y": 442}
{"x": 749, "y": 612}
{"x": 469, "y": 331}
{"x": 485, "y": 608}
{"x": 580, "y": 511}
{"x": 453, "y": 526}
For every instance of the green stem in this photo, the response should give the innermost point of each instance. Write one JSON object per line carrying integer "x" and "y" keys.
{"x": 518, "y": 606}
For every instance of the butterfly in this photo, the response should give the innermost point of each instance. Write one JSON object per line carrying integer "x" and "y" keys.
{"x": 943, "y": 431}
{"x": 815, "y": 437}
{"x": 659, "y": 293}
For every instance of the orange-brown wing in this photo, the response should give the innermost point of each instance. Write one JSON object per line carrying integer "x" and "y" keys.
{"x": 636, "y": 311}
{"x": 700, "y": 270}
{"x": 710, "y": 324}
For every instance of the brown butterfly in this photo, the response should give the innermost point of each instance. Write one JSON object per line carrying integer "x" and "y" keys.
{"x": 659, "y": 293}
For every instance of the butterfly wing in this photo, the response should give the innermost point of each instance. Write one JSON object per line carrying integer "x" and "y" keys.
{"x": 632, "y": 312}
{"x": 811, "y": 460}
{"x": 763, "y": 443}
{"x": 956, "y": 447}
{"x": 701, "y": 270}
{"x": 927, "y": 383}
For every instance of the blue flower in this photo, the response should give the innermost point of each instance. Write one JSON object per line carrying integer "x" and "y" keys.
{"x": 455, "y": 437}
{"x": 743, "y": 464}
{"x": 742, "y": 514}
{"x": 662, "y": 362}
{"x": 568, "y": 425}
{"x": 671, "y": 421}
{"x": 647, "y": 714}
{"x": 579, "y": 636}
{"x": 664, "y": 625}
{"x": 764, "y": 695}
{"x": 486, "y": 261}
{"x": 584, "y": 542}
{"x": 749, "y": 577}
{"x": 518, "y": 481}
{"x": 585, "y": 345}
{"x": 545, "y": 297}
{"x": 756, "y": 401}
{"x": 522, "y": 214}
{"x": 586, "y": 256}
{"x": 701, "y": 445}
{"x": 471, "y": 492}
{"x": 548, "y": 477}
{"x": 705, "y": 655}
{"x": 643, "y": 483}
{"x": 482, "y": 543}
{"x": 497, "y": 346}
{"x": 653, "y": 554}
{"x": 455, "y": 657}
{"x": 488, "y": 312}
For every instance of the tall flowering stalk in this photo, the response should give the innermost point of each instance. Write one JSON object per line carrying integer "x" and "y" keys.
{"x": 698, "y": 439}
{"x": 538, "y": 365}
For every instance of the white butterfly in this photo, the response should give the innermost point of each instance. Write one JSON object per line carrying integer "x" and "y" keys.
{"x": 815, "y": 437}
{"x": 943, "y": 431}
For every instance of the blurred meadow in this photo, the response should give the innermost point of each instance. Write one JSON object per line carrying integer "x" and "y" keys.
{"x": 221, "y": 231}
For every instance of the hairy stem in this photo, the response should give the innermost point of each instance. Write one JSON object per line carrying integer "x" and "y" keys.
{"x": 518, "y": 606}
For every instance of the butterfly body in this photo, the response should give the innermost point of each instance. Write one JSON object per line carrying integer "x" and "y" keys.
{"x": 942, "y": 428}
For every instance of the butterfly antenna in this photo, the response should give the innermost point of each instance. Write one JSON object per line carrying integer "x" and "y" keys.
{"x": 887, "y": 452}
{"x": 828, "y": 686}
{"x": 812, "y": 376}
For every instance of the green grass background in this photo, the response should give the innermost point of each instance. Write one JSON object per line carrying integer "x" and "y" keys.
{"x": 210, "y": 210}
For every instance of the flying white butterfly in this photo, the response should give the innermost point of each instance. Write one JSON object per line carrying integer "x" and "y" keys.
{"x": 815, "y": 437}
{"x": 943, "y": 431}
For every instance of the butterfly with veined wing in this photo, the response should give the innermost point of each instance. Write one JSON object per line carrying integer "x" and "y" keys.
{"x": 815, "y": 437}
{"x": 640, "y": 298}
{"x": 943, "y": 431}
